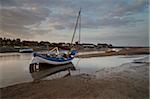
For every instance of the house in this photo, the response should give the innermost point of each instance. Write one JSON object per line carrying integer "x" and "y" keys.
{"x": 88, "y": 45}
{"x": 100, "y": 45}
{"x": 44, "y": 43}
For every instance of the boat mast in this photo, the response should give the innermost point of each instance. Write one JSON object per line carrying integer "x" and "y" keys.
{"x": 76, "y": 28}
{"x": 80, "y": 27}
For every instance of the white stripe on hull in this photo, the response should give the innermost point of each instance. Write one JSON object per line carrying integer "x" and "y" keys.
{"x": 42, "y": 60}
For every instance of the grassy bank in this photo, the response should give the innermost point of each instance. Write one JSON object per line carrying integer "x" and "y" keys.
{"x": 124, "y": 51}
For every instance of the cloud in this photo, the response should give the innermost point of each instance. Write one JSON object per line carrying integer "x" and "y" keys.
{"x": 55, "y": 18}
{"x": 30, "y": 12}
{"x": 15, "y": 19}
{"x": 59, "y": 27}
{"x": 7, "y": 3}
{"x": 122, "y": 8}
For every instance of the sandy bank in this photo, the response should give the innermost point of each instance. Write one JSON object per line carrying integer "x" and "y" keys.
{"x": 128, "y": 81}
{"x": 125, "y": 51}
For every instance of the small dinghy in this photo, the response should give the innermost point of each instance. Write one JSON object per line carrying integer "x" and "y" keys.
{"x": 26, "y": 50}
{"x": 54, "y": 58}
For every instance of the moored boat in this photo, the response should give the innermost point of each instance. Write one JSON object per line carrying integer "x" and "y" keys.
{"x": 26, "y": 50}
{"x": 53, "y": 58}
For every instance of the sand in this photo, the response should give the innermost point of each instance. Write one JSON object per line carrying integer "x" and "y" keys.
{"x": 125, "y": 51}
{"x": 128, "y": 81}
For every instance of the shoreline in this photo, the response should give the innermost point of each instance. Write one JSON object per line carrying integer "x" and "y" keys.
{"x": 98, "y": 53}
{"x": 128, "y": 81}
{"x": 129, "y": 51}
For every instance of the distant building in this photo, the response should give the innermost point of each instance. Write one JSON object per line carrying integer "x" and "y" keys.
{"x": 1, "y": 42}
{"x": 8, "y": 42}
{"x": 99, "y": 45}
{"x": 47, "y": 45}
{"x": 18, "y": 40}
{"x": 85, "y": 46}
{"x": 88, "y": 45}
{"x": 44, "y": 43}
{"x": 4, "y": 42}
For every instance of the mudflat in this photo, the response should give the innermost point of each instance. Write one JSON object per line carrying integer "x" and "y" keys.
{"x": 128, "y": 81}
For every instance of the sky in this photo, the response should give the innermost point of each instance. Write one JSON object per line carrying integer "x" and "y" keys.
{"x": 116, "y": 22}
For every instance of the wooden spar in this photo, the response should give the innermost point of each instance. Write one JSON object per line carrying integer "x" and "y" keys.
{"x": 75, "y": 28}
{"x": 55, "y": 49}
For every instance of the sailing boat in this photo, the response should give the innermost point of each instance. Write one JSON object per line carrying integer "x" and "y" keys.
{"x": 54, "y": 56}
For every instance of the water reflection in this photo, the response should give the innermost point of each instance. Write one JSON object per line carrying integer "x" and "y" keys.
{"x": 9, "y": 56}
{"x": 41, "y": 71}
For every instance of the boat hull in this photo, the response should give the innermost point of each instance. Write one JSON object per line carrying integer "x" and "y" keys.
{"x": 38, "y": 59}
{"x": 50, "y": 59}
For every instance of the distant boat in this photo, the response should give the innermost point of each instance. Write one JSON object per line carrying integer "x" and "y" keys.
{"x": 26, "y": 50}
{"x": 54, "y": 56}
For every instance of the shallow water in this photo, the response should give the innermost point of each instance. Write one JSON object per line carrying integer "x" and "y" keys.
{"x": 15, "y": 68}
